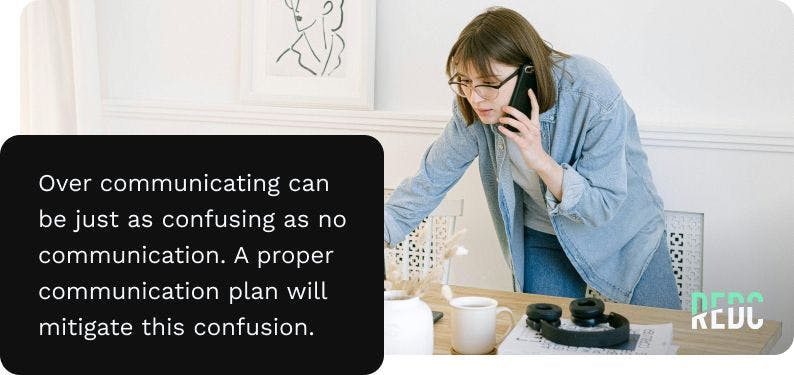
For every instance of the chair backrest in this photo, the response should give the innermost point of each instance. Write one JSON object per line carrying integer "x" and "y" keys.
{"x": 417, "y": 256}
{"x": 685, "y": 244}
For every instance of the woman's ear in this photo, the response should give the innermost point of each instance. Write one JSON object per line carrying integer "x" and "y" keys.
{"x": 328, "y": 7}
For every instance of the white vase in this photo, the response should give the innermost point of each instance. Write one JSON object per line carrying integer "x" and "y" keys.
{"x": 407, "y": 324}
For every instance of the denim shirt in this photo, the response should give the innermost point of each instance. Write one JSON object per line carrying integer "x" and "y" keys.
{"x": 610, "y": 219}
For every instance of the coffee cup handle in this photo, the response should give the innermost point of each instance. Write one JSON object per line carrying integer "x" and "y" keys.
{"x": 502, "y": 309}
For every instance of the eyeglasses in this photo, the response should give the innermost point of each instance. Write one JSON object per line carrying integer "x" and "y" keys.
{"x": 487, "y": 92}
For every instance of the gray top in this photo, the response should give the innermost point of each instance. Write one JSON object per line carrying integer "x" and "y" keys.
{"x": 535, "y": 214}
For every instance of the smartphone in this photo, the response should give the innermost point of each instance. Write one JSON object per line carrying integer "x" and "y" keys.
{"x": 520, "y": 99}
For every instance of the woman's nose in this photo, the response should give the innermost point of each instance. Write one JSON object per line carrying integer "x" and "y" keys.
{"x": 474, "y": 97}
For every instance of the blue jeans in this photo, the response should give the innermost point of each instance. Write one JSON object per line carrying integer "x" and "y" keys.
{"x": 548, "y": 271}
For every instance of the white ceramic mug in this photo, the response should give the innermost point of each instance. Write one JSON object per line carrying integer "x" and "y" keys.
{"x": 474, "y": 324}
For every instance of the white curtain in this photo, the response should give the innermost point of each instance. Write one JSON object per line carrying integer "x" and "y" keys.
{"x": 59, "y": 68}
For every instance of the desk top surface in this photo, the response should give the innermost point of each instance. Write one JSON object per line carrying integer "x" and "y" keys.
{"x": 741, "y": 341}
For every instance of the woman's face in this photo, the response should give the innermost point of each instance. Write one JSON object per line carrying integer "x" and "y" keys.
{"x": 307, "y": 12}
{"x": 489, "y": 111}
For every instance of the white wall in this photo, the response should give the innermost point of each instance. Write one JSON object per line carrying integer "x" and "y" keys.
{"x": 712, "y": 83}
{"x": 679, "y": 62}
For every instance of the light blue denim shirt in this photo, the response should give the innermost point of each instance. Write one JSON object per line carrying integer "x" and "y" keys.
{"x": 610, "y": 219}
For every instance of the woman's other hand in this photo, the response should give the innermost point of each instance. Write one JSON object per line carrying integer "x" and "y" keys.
{"x": 529, "y": 142}
{"x": 528, "y": 136}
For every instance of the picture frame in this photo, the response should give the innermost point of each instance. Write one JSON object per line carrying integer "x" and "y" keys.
{"x": 308, "y": 53}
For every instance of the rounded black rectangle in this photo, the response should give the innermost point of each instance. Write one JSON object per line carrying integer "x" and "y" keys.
{"x": 519, "y": 99}
{"x": 326, "y": 255}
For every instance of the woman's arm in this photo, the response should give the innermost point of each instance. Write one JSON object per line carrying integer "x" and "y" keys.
{"x": 596, "y": 185}
{"x": 441, "y": 166}
{"x": 591, "y": 190}
{"x": 551, "y": 173}
{"x": 528, "y": 139}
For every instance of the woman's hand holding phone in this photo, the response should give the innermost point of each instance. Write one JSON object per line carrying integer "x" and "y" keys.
{"x": 528, "y": 135}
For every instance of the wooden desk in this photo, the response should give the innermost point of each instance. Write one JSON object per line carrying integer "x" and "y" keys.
{"x": 741, "y": 341}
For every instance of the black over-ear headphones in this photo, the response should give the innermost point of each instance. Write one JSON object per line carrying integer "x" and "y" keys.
{"x": 585, "y": 312}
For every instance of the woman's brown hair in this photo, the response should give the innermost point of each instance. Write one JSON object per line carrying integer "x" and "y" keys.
{"x": 504, "y": 36}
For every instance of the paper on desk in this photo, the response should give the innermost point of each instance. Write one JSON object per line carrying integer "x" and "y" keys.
{"x": 643, "y": 340}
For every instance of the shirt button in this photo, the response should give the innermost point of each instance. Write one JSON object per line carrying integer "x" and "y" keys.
{"x": 501, "y": 147}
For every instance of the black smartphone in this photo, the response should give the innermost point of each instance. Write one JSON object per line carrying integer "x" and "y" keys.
{"x": 520, "y": 99}
{"x": 437, "y": 315}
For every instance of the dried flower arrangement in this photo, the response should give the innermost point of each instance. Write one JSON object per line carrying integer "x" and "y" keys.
{"x": 395, "y": 280}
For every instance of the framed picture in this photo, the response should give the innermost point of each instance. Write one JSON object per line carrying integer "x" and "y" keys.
{"x": 308, "y": 53}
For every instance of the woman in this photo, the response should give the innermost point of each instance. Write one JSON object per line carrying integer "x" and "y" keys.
{"x": 318, "y": 47}
{"x": 570, "y": 193}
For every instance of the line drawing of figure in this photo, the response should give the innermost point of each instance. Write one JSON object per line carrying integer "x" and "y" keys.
{"x": 318, "y": 47}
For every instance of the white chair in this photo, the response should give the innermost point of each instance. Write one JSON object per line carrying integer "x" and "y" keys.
{"x": 416, "y": 257}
